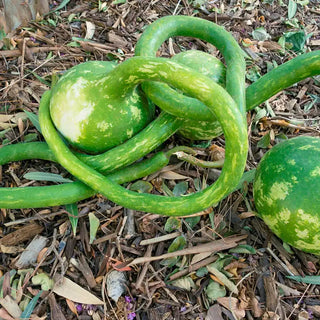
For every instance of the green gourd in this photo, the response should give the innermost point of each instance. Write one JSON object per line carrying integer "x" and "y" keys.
{"x": 201, "y": 99}
{"x": 295, "y": 70}
{"x": 286, "y": 192}
{"x": 90, "y": 116}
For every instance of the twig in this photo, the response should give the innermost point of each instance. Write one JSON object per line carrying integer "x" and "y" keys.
{"x": 213, "y": 246}
{"x": 160, "y": 239}
{"x": 144, "y": 269}
{"x": 193, "y": 267}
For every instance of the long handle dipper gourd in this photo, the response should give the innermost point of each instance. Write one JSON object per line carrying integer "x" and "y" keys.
{"x": 113, "y": 113}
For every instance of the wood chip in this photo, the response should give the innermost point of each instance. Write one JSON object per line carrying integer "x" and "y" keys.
{"x": 29, "y": 256}
{"x": 22, "y": 234}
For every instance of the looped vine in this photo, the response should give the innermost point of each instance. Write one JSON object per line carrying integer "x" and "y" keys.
{"x": 82, "y": 98}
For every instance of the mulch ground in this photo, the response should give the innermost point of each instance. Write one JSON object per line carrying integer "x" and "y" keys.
{"x": 254, "y": 283}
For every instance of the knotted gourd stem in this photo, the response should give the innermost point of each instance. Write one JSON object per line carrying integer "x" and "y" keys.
{"x": 37, "y": 197}
{"x": 284, "y": 76}
{"x": 289, "y": 73}
{"x": 214, "y": 96}
{"x": 144, "y": 142}
{"x": 172, "y": 26}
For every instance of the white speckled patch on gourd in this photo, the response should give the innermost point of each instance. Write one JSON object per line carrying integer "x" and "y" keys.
{"x": 288, "y": 200}
{"x": 85, "y": 115}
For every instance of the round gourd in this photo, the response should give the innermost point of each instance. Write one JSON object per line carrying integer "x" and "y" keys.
{"x": 286, "y": 192}
{"x": 87, "y": 115}
{"x": 215, "y": 70}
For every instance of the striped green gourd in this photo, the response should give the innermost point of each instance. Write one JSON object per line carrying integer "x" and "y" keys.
{"x": 286, "y": 192}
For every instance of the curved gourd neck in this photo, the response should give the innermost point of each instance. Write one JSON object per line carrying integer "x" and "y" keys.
{"x": 170, "y": 26}
{"x": 127, "y": 75}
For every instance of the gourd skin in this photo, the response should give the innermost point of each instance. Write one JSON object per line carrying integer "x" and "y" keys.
{"x": 162, "y": 127}
{"x": 85, "y": 115}
{"x": 286, "y": 192}
{"x": 213, "y": 68}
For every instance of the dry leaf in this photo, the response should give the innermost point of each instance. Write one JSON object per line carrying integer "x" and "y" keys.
{"x": 116, "y": 284}
{"x": 170, "y": 175}
{"x": 229, "y": 284}
{"x": 56, "y": 312}
{"x": 185, "y": 283}
{"x": 200, "y": 256}
{"x": 90, "y": 30}
{"x": 72, "y": 306}
{"x": 232, "y": 305}
{"x": 11, "y": 306}
{"x": 5, "y": 315}
{"x": 245, "y": 215}
{"x": 30, "y": 254}
{"x": 214, "y": 313}
{"x": 269, "y": 315}
{"x": 72, "y": 291}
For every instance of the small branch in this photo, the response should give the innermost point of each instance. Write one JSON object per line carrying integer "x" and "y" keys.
{"x": 197, "y": 162}
{"x": 214, "y": 246}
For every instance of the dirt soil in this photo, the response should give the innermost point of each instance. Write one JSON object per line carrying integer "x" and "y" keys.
{"x": 247, "y": 282}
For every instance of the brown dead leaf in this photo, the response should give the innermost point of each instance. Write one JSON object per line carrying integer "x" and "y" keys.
{"x": 10, "y": 249}
{"x": 68, "y": 289}
{"x": 17, "y": 12}
{"x": 55, "y": 310}
{"x": 170, "y": 175}
{"x": 255, "y": 306}
{"x": 5, "y": 315}
{"x": 72, "y": 306}
{"x": 214, "y": 313}
{"x": 232, "y": 304}
{"x": 269, "y": 315}
{"x": 247, "y": 214}
{"x": 216, "y": 153}
{"x": 11, "y": 306}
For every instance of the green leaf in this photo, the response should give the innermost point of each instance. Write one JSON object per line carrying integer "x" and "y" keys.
{"x": 180, "y": 188}
{"x": 3, "y": 132}
{"x": 297, "y": 39}
{"x": 178, "y": 244}
{"x": 287, "y": 248}
{"x": 141, "y": 186}
{"x": 46, "y": 176}
{"x": 292, "y": 9}
{"x": 253, "y": 74}
{"x": 44, "y": 280}
{"x": 2, "y": 34}
{"x": 243, "y": 248}
{"x": 202, "y": 272}
{"x": 192, "y": 221}
{"x": 30, "y": 307}
{"x": 94, "y": 225}
{"x": 119, "y": 1}
{"x": 247, "y": 177}
{"x": 214, "y": 291}
{"x": 281, "y": 137}
{"x": 39, "y": 78}
{"x": 303, "y": 2}
{"x": 260, "y": 34}
{"x": 60, "y": 6}
{"x": 264, "y": 142}
{"x": 74, "y": 44}
{"x": 260, "y": 113}
{"x": 30, "y": 137}
{"x": 172, "y": 223}
{"x": 185, "y": 283}
{"x": 170, "y": 262}
{"x": 72, "y": 209}
{"x": 34, "y": 119}
{"x": 306, "y": 279}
